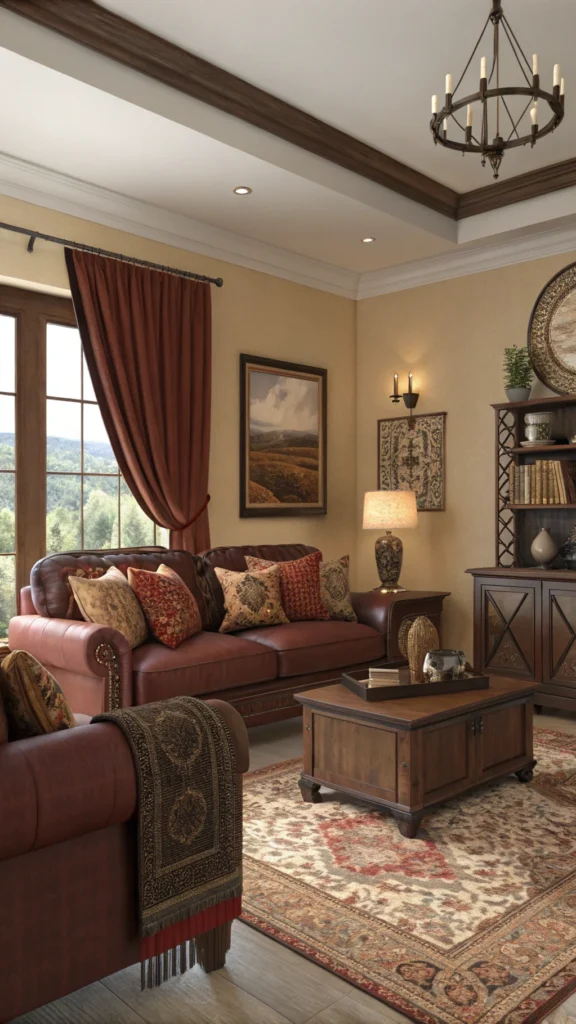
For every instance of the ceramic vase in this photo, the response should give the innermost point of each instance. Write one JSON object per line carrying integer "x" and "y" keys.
{"x": 544, "y": 548}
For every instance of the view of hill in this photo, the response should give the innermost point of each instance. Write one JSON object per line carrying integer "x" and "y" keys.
{"x": 283, "y": 467}
{"x": 111, "y": 515}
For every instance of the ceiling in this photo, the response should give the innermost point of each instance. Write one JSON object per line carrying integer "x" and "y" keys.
{"x": 369, "y": 67}
{"x": 107, "y": 127}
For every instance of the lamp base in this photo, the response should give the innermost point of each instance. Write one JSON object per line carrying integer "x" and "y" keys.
{"x": 389, "y": 590}
{"x": 389, "y": 553}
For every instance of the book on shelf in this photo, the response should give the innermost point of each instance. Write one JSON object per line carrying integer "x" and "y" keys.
{"x": 545, "y": 482}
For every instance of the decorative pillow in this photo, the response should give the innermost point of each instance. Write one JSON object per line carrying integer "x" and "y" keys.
{"x": 300, "y": 583}
{"x": 33, "y": 701}
{"x": 251, "y": 598}
{"x": 169, "y": 606}
{"x": 110, "y": 601}
{"x": 335, "y": 589}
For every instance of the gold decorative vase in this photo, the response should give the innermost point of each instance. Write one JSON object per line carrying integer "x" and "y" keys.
{"x": 422, "y": 637}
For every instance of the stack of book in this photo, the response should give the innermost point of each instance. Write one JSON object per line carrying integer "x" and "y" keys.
{"x": 546, "y": 482}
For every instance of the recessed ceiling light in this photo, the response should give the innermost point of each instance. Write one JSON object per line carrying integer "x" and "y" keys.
{"x": 242, "y": 190}
{"x": 369, "y": 239}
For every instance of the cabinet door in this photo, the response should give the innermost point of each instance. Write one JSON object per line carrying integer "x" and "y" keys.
{"x": 446, "y": 758}
{"x": 559, "y": 636}
{"x": 503, "y": 739}
{"x": 507, "y": 617}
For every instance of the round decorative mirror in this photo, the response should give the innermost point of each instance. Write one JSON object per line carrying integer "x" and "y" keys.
{"x": 552, "y": 333}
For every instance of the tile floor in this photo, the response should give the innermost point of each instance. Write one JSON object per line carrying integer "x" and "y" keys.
{"x": 263, "y": 982}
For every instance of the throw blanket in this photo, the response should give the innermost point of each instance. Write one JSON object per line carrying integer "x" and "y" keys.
{"x": 189, "y": 829}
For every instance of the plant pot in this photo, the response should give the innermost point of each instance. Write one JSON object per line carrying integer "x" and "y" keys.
{"x": 518, "y": 394}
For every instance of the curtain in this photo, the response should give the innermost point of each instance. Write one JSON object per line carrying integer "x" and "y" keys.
{"x": 147, "y": 341}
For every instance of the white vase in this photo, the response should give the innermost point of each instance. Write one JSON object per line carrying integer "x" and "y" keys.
{"x": 544, "y": 548}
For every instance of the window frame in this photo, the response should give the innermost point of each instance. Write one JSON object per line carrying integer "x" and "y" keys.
{"x": 33, "y": 311}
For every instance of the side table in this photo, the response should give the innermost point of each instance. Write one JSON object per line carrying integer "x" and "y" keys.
{"x": 387, "y": 612}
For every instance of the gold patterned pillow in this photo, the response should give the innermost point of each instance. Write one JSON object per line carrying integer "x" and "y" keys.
{"x": 33, "y": 701}
{"x": 335, "y": 589}
{"x": 251, "y": 599}
{"x": 110, "y": 601}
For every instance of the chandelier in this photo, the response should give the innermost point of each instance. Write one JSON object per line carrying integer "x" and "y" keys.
{"x": 498, "y": 129}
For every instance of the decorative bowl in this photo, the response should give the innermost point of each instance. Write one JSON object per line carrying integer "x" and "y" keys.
{"x": 442, "y": 665}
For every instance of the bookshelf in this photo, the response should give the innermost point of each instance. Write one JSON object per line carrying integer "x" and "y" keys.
{"x": 518, "y": 523}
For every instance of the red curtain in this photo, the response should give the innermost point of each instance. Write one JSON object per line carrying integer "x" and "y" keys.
{"x": 147, "y": 340}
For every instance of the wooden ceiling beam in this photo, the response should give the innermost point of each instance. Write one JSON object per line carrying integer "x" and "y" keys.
{"x": 89, "y": 24}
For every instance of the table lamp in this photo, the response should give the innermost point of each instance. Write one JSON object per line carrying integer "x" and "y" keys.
{"x": 387, "y": 510}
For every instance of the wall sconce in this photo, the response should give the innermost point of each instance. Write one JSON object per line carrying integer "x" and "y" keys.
{"x": 410, "y": 397}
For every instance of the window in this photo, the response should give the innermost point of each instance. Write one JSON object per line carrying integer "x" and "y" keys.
{"x": 88, "y": 504}
{"x": 60, "y": 485}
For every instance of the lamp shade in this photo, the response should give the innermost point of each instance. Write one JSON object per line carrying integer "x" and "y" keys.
{"x": 388, "y": 510}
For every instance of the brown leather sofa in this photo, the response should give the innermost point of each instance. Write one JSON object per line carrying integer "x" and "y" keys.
{"x": 257, "y": 670}
{"x": 68, "y": 877}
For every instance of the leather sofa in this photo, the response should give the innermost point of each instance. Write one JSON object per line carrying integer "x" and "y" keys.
{"x": 68, "y": 873}
{"x": 257, "y": 670}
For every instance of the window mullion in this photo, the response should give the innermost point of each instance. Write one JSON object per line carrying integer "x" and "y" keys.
{"x": 30, "y": 442}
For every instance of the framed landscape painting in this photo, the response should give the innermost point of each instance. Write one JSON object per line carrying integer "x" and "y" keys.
{"x": 282, "y": 438}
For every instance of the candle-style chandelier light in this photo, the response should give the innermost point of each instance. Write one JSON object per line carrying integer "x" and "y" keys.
{"x": 498, "y": 128}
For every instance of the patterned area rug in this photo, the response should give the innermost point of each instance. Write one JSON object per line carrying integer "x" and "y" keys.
{"x": 472, "y": 922}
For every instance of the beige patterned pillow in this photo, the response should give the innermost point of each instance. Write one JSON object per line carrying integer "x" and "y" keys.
{"x": 335, "y": 589}
{"x": 251, "y": 599}
{"x": 110, "y": 601}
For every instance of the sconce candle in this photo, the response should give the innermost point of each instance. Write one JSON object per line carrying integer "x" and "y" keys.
{"x": 395, "y": 385}
{"x": 409, "y": 383}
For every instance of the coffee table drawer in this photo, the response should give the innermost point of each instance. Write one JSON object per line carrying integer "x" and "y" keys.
{"x": 356, "y": 755}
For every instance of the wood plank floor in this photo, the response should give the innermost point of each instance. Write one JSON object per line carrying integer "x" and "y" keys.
{"x": 263, "y": 982}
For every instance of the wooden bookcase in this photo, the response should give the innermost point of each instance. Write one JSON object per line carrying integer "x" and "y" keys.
{"x": 517, "y": 525}
{"x": 525, "y": 617}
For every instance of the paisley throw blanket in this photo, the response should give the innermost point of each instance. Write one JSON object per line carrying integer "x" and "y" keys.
{"x": 189, "y": 829}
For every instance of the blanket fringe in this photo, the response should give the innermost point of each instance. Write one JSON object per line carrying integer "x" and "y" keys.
{"x": 207, "y": 949}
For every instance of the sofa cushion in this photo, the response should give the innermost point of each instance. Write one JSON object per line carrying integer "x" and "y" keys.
{"x": 170, "y": 608}
{"x": 53, "y": 597}
{"x": 234, "y": 558}
{"x": 305, "y": 647}
{"x": 110, "y": 601}
{"x": 252, "y": 599}
{"x": 33, "y": 701}
{"x": 205, "y": 663}
{"x": 300, "y": 580}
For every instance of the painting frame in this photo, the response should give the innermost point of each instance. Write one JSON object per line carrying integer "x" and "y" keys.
{"x": 434, "y": 497}
{"x": 552, "y": 370}
{"x": 260, "y": 364}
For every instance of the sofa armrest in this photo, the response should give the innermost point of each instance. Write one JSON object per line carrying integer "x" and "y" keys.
{"x": 386, "y": 612}
{"x": 62, "y": 785}
{"x": 84, "y": 648}
{"x": 239, "y": 732}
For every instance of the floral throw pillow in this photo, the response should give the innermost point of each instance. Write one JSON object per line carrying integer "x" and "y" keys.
{"x": 251, "y": 599}
{"x": 300, "y": 584}
{"x": 335, "y": 589}
{"x": 169, "y": 606}
{"x": 33, "y": 701}
{"x": 110, "y": 601}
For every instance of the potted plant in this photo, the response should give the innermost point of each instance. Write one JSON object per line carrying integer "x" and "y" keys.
{"x": 517, "y": 373}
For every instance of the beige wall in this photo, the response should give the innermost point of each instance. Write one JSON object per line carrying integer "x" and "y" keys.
{"x": 254, "y": 313}
{"x": 452, "y": 336}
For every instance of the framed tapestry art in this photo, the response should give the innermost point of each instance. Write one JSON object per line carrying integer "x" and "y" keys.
{"x": 411, "y": 458}
{"x": 282, "y": 438}
{"x": 552, "y": 333}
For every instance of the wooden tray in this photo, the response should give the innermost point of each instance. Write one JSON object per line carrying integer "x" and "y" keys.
{"x": 376, "y": 690}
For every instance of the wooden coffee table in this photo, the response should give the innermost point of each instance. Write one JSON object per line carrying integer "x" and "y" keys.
{"x": 407, "y": 756}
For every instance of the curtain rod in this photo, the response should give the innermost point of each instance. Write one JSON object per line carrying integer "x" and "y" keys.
{"x": 104, "y": 252}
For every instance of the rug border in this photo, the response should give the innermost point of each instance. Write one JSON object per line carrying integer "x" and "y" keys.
{"x": 307, "y": 953}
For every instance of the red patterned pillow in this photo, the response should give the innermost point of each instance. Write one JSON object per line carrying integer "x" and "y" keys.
{"x": 170, "y": 609}
{"x": 300, "y": 582}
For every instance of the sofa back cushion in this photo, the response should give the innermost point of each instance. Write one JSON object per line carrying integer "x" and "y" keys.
{"x": 52, "y": 593}
{"x": 234, "y": 558}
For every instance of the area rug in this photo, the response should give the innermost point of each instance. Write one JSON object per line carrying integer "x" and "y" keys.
{"x": 472, "y": 922}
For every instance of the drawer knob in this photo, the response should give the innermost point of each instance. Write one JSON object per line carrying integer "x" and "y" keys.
{"x": 404, "y": 764}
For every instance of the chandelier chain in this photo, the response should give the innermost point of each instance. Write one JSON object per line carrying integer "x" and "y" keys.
{"x": 459, "y": 82}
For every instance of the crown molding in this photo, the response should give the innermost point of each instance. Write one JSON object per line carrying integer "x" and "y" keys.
{"x": 463, "y": 262}
{"x": 54, "y": 191}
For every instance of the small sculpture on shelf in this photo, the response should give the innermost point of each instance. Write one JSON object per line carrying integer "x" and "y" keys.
{"x": 568, "y": 549}
{"x": 544, "y": 548}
